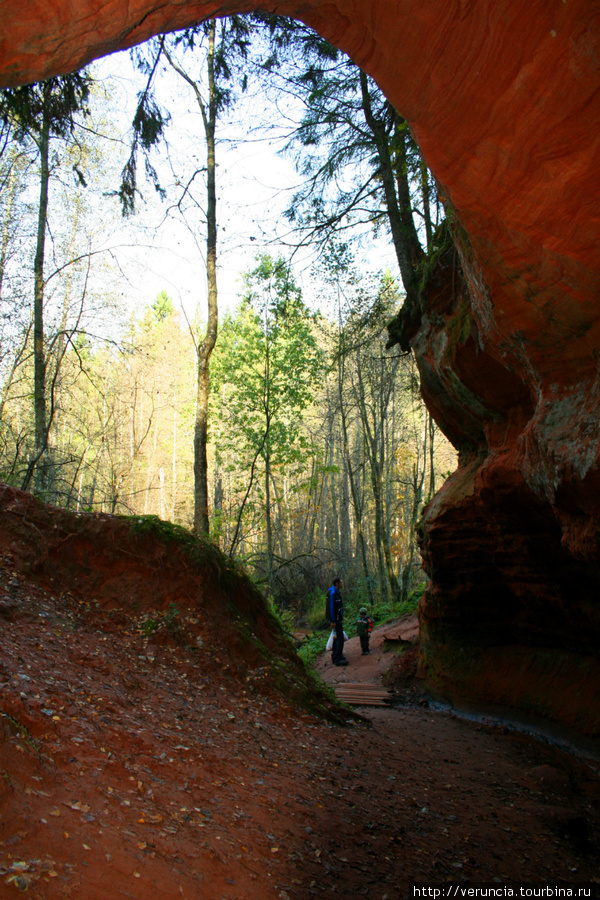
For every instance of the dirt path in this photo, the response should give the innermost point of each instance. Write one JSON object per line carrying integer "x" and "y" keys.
{"x": 125, "y": 771}
{"x": 384, "y": 645}
{"x": 462, "y": 801}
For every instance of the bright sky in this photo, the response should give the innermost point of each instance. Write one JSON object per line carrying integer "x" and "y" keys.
{"x": 160, "y": 249}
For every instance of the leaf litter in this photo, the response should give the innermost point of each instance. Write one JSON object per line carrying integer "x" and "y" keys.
{"x": 165, "y": 772}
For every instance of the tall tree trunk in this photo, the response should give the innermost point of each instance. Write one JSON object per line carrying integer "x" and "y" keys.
{"x": 39, "y": 389}
{"x": 269, "y": 521}
{"x": 431, "y": 428}
{"x": 394, "y": 179}
{"x": 335, "y": 516}
{"x": 385, "y": 395}
{"x": 426, "y": 194}
{"x": 267, "y": 456}
{"x": 174, "y": 461}
{"x": 352, "y": 481}
{"x": 344, "y": 508}
{"x": 55, "y": 353}
{"x": 205, "y": 348}
{"x": 373, "y": 429}
{"x": 417, "y": 494}
{"x": 39, "y": 351}
{"x": 312, "y": 506}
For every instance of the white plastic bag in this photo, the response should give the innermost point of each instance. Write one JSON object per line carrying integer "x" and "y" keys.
{"x": 329, "y": 644}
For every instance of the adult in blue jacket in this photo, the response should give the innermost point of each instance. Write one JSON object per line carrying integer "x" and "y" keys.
{"x": 335, "y": 614}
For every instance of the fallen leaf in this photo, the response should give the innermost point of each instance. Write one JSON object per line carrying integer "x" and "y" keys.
{"x": 78, "y": 805}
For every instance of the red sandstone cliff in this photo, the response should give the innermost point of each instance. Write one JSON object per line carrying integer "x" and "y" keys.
{"x": 504, "y": 99}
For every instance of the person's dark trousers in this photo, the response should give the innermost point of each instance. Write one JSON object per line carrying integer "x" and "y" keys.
{"x": 338, "y": 643}
{"x": 364, "y": 642}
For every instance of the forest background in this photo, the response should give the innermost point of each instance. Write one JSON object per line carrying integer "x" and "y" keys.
{"x": 320, "y": 454}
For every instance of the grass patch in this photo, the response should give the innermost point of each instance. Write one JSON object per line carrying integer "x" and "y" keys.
{"x": 22, "y": 732}
{"x": 169, "y": 619}
{"x": 312, "y": 647}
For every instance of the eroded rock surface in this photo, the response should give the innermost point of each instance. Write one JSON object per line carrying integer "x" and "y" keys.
{"x": 511, "y": 614}
{"x": 504, "y": 100}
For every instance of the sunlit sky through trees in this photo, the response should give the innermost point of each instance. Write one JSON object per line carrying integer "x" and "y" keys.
{"x": 159, "y": 248}
{"x": 319, "y": 450}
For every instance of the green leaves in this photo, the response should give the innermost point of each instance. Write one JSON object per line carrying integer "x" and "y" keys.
{"x": 265, "y": 370}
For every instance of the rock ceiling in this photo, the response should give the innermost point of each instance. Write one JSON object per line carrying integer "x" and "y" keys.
{"x": 503, "y": 97}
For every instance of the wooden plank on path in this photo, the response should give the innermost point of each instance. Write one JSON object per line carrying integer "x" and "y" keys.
{"x": 362, "y": 694}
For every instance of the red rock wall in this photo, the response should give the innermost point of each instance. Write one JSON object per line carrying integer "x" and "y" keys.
{"x": 512, "y": 612}
{"x": 504, "y": 99}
